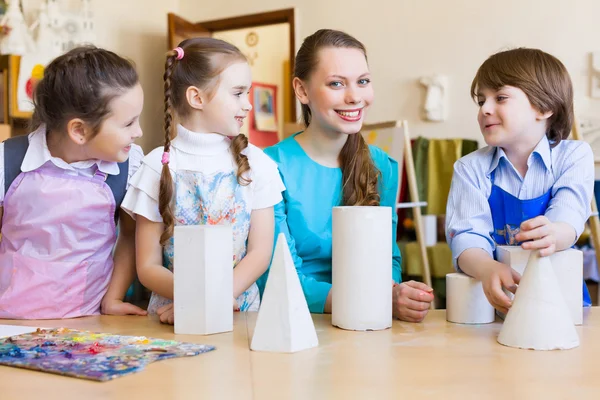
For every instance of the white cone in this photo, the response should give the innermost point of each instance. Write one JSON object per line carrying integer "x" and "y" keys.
{"x": 284, "y": 324}
{"x": 539, "y": 318}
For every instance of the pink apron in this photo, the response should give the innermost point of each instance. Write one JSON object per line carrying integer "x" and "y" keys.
{"x": 58, "y": 233}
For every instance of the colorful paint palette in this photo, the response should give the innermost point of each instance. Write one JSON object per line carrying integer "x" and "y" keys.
{"x": 89, "y": 355}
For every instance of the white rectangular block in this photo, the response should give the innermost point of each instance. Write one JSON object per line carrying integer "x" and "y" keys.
{"x": 567, "y": 266}
{"x": 430, "y": 230}
{"x": 203, "y": 275}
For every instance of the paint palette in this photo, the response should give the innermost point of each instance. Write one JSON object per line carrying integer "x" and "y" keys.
{"x": 89, "y": 355}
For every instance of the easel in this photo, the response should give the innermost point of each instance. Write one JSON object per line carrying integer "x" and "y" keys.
{"x": 400, "y": 148}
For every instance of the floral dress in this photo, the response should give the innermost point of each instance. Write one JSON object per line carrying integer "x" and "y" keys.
{"x": 215, "y": 199}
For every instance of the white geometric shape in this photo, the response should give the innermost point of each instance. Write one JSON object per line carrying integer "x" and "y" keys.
{"x": 568, "y": 269}
{"x": 284, "y": 324}
{"x": 466, "y": 302}
{"x": 539, "y": 318}
{"x": 203, "y": 277}
{"x": 430, "y": 229}
{"x": 435, "y": 107}
{"x": 362, "y": 268}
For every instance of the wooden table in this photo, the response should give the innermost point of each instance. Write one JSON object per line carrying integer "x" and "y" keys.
{"x": 431, "y": 360}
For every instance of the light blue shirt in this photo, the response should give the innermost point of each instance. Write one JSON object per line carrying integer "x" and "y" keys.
{"x": 305, "y": 213}
{"x": 567, "y": 169}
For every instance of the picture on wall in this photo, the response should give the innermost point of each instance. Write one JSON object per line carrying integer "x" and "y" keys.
{"x": 31, "y": 71}
{"x": 263, "y": 129}
{"x": 263, "y": 102}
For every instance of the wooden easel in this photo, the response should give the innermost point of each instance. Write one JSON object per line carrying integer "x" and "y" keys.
{"x": 594, "y": 221}
{"x": 400, "y": 148}
{"x": 416, "y": 205}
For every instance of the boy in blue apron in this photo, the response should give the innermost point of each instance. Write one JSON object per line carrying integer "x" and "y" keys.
{"x": 530, "y": 186}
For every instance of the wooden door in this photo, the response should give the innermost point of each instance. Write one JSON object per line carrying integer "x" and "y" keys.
{"x": 181, "y": 29}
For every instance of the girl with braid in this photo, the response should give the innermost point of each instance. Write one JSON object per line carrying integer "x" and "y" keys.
{"x": 60, "y": 191}
{"x": 206, "y": 173}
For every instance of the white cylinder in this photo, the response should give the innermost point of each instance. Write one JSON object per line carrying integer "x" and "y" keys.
{"x": 430, "y": 229}
{"x": 362, "y": 268}
{"x": 466, "y": 302}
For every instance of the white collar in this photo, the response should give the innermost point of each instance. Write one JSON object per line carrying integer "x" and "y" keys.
{"x": 200, "y": 143}
{"x": 38, "y": 155}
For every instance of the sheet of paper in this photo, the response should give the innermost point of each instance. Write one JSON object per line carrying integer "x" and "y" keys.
{"x": 11, "y": 330}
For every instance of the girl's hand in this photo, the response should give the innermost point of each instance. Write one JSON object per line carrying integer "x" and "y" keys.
{"x": 166, "y": 314}
{"x": 119, "y": 307}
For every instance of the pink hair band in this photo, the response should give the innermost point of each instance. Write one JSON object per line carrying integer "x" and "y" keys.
{"x": 179, "y": 52}
{"x": 165, "y": 158}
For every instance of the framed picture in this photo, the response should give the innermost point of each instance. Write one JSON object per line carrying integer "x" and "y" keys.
{"x": 15, "y": 102}
{"x": 263, "y": 122}
{"x": 25, "y": 72}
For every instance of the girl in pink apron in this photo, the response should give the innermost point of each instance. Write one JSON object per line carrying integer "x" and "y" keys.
{"x": 62, "y": 186}
{"x": 530, "y": 186}
{"x": 207, "y": 174}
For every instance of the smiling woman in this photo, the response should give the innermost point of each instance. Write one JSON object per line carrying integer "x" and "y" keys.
{"x": 329, "y": 164}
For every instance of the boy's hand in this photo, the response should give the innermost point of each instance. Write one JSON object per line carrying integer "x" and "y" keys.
{"x": 538, "y": 233}
{"x": 493, "y": 278}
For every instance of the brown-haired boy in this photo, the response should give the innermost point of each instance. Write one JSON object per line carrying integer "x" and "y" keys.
{"x": 529, "y": 186}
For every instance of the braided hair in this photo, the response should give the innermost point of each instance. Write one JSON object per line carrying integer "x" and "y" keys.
{"x": 195, "y": 62}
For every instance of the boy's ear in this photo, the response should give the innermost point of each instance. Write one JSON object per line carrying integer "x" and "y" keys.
{"x": 79, "y": 132}
{"x": 195, "y": 98}
{"x": 544, "y": 115}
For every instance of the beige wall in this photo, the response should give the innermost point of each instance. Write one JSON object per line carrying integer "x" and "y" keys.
{"x": 408, "y": 38}
{"x": 136, "y": 29}
{"x": 405, "y": 39}
{"x": 268, "y": 57}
